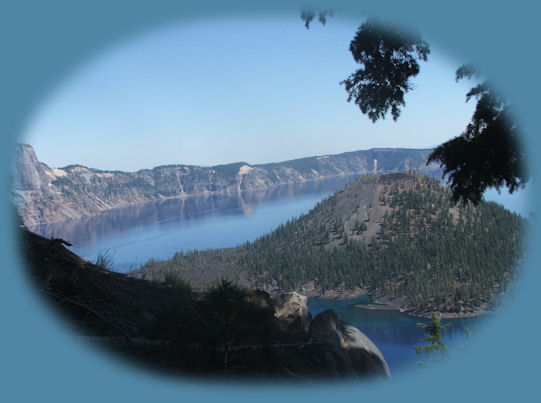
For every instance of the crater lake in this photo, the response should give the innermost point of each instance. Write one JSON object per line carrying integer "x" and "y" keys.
{"x": 132, "y": 235}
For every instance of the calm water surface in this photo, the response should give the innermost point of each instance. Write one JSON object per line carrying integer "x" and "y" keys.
{"x": 133, "y": 235}
{"x": 396, "y": 334}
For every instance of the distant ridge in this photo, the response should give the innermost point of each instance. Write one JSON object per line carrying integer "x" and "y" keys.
{"x": 43, "y": 195}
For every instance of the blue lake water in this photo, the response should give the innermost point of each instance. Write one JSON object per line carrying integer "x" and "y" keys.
{"x": 397, "y": 334}
{"x": 133, "y": 235}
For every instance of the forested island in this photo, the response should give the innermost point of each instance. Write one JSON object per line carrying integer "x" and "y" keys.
{"x": 398, "y": 237}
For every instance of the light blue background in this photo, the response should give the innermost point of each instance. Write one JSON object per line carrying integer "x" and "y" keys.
{"x": 42, "y": 42}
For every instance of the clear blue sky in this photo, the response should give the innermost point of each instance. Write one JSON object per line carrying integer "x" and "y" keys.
{"x": 220, "y": 91}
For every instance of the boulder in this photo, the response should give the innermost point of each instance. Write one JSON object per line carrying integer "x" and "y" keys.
{"x": 348, "y": 351}
{"x": 292, "y": 308}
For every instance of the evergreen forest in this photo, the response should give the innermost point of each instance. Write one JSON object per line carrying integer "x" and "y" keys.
{"x": 395, "y": 235}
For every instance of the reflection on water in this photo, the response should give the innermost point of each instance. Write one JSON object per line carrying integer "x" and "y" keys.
{"x": 134, "y": 234}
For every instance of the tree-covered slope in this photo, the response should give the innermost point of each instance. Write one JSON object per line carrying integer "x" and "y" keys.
{"x": 395, "y": 235}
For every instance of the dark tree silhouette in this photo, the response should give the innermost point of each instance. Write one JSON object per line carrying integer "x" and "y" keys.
{"x": 389, "y": 59}
{"x": 487, "y": 154}
{"x": 225, "y": 300}
{"x": 308, "y": 16}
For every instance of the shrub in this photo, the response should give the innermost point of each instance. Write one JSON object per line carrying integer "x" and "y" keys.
{"x": 105, "y": 260}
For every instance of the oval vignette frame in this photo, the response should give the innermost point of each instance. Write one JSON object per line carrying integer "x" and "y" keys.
{"x": 54, "y": 356}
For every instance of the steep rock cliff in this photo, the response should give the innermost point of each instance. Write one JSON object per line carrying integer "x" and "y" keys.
{"x": 43, "y": 194}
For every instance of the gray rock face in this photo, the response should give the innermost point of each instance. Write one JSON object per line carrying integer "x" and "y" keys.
{"x": 348, "y": 351}
{"x": 292, "y": 308}
{"x": 25, "y": 172}
{"x": 45, "y": 195}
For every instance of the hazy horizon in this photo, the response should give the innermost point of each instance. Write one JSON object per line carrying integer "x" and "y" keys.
{"x": 228, "y": 163}
{"x": 518, "y": 202}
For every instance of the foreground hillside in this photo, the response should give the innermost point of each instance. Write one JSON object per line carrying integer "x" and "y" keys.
{"x": 224, "y": 331}
{"x": 43, "y": 194}
{"x": 397, "y": 236}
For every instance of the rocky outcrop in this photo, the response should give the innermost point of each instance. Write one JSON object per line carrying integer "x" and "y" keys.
{"x": 348, "y": 350}
{"x": 291, "y": 307}
{"x": 44, "y": 195}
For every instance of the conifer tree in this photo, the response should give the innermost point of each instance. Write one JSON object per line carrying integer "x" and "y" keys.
{"x": 433, "y": 333}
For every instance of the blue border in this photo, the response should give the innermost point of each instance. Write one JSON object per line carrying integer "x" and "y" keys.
{"x": 42, "y": 42}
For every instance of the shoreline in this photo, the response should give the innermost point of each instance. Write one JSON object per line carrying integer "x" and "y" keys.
{"x": 424, "y": 313}
{"x": 386, "y": 303}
